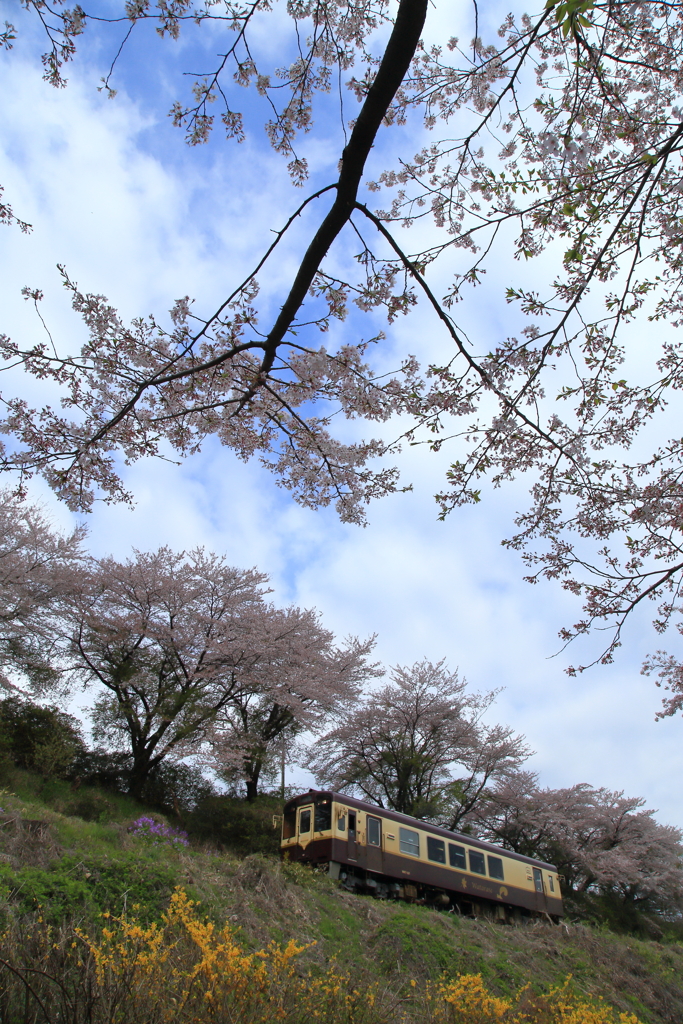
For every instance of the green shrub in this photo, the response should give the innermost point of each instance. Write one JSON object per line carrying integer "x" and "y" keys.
{"x": 70, "y": 888}
{"x": 171, "y": 788}
{"x": 100, "y": 767}
{"x": 41, "y": 739}
{"x": 245, "y": 827}
{"x": 90, "y": 804}
{"x": 177, "y": 788}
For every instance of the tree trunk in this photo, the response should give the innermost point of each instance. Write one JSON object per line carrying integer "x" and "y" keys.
{"x": 140, "y": 772}
{"x": 253, "y": 774}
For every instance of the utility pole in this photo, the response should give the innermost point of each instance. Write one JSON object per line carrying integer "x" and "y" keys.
{"x": 282, "y": 769}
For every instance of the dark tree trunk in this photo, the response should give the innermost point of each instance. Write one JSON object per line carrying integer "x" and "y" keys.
{"x": 253, "y": 774}
{"x": 143, "y": 765}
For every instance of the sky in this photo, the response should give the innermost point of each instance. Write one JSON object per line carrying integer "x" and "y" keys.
{"x": 114, "y": 195}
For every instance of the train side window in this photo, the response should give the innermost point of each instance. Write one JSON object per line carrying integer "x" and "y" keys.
{"x": 456, "y": 855}
{"x": 477, "y": 864}
{"x": 551, "y": 883}
{"x": 289, "y": 823}
{"x": 409, "y": 842}
{"x": 341, "y": 823}
{"x": 436, "y": 850}
{"x": 305, "y": 821}
{"x": 496, "y": 868}
{"x": 352, "y": 822}
{"x": 323, "y": 816}
{"x": 374, "y": 831}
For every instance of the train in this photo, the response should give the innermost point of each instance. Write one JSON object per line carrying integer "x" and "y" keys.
{"x": 370, "y": 849}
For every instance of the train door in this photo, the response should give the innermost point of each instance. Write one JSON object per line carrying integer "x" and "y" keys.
{"x": 541, "y": 902}
{"x": 373, "y": 844}
{"x": 304, "y": 825}
{"x": 352, "y": 837}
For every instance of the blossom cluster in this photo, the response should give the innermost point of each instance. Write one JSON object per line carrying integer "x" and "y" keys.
{"x": 156, "y": 833}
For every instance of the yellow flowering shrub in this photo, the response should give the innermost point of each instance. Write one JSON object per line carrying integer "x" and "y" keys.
{"x": 467, "y": 1001}
{"x": 198, "y": 967}
{"x": 186, "y": 970}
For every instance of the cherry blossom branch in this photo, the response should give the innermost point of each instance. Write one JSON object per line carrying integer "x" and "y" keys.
{"x": 395, "y": 62}
{"x": 512, "y": 405}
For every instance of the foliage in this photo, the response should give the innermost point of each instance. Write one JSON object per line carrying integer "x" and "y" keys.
{"x": 232, "y": 823}
{"x": 418, "y": 746}
{"x": 176, "y": 788}
{"x": 173, "y": 787}
{"x": 186, "y": 969}
{"x": 163, "y": 636}
{"x": 559, "y": 139}
{"x": 157, "y": 833}
{"x": 186, "y": 654}
{"x": 69, "y": 888}
{"x": 108, "y": 769}
{"x": 44, "y": 739}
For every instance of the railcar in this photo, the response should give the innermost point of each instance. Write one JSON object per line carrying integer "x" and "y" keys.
{"x": 370, "y": 849}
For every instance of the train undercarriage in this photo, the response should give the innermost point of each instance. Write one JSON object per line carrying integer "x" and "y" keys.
{"x": 356, "y": 880}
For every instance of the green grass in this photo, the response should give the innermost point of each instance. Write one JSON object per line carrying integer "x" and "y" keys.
{"x": 418, "y": 940}
{"x": 71, "y": 888}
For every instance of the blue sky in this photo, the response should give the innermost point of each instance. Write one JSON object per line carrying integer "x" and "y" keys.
{"x": 115, "y": 195}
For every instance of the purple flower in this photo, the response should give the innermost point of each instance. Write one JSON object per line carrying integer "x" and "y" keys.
{"x": 156, "y": 833}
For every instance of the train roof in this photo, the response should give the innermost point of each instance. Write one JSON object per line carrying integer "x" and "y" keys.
{"x": 351, "y": 801}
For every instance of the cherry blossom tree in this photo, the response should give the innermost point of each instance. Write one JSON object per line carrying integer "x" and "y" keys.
{"x": 604, "y": 844}
{"x": 38, "y": 567}
{"x": 417, "y": 745}
{"x": 187, "y": 657}
{"x": 296, "y": 681}
{"x": 559, "y": 139}
{"x": 164, "y": 637}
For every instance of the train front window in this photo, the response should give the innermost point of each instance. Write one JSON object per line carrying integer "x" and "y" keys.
{"x": 477, "y": 864}
{"x": 409, "y": 842}
{"x": 341, "y": 823}
{"x": 289, "y": 823}
{"x": 551, "y": 883}
{"x": 436, "y": 850}
{"x": 374, "y": 831}
{"x": 352, "y": 823}
{"x": 538, "y": 880}
{"x": 496, "y": 868}
{"x": 456, "y": 856}
{"x": 305, "y": 821}
{"x": 323, "y": 816}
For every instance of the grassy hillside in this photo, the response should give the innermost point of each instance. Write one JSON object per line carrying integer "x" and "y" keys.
{"x": 68, "y": 856}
